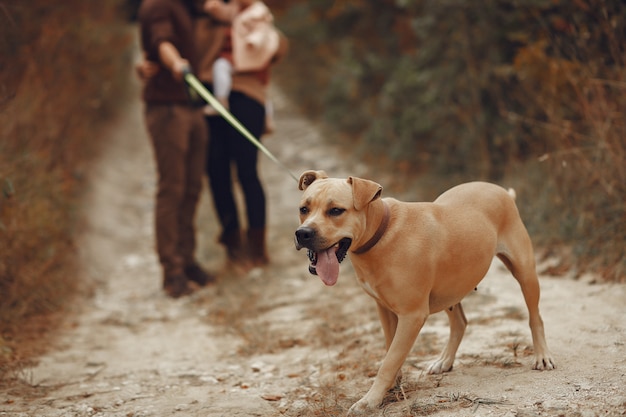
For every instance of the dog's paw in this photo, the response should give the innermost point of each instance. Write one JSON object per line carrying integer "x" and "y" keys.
{"x": 360, "y": 409}
{"x": 544, "y": 363}
{"x": 440, "y": 366}
{"x": 363, "y": 407}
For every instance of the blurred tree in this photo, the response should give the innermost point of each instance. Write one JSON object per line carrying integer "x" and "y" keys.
{"x": 473, "y": 90}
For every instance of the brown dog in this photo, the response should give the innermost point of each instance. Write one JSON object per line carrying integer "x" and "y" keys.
{"x": 416, "y": 259}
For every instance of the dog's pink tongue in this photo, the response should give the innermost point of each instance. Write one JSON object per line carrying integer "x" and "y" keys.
{"x": 327, "y": 266}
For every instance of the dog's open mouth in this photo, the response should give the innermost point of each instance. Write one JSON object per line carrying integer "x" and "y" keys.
{"x": 326, "y": 263}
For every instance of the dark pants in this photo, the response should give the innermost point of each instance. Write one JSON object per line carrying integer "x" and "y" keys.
{"x": 179, "y": 137}
{"x": 228, "y": 146}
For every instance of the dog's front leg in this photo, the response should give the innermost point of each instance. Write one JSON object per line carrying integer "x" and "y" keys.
{"x": 407, "y": 330}
{"x": 389, "y": 322}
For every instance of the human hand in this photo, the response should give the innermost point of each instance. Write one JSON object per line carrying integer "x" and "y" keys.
{"x": 180, "y": 68}
{"x": 146, "y": 69}
{"x": 212, "y": 6}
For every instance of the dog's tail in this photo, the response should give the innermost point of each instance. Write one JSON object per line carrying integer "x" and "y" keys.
{"x": 512, "y": 193}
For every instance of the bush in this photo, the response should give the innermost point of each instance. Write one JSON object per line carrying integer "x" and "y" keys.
{"x": 527, "y": 91}
{"x": 67, "y": 68}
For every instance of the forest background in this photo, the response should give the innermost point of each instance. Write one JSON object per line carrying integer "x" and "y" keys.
{"x": 531, "y": 93}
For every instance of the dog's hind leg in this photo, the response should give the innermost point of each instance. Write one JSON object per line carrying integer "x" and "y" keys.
{"x": 458, "y": 323}
{"x": 522, "y": 266}
{"x": 530, "y": 289}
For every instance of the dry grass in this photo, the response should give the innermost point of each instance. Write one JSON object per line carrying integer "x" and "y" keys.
{"x": 573, "y": 196}
{"x": 53, "y": 97}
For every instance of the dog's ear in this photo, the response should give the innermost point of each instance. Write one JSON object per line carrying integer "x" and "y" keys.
{"x": 364, "y": 191}
{"x": 308, "y": 177}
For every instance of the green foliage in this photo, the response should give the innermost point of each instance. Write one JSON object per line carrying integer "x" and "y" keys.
{"x": 530, "y": 90}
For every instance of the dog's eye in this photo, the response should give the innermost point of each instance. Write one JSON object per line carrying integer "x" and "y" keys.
{"x": 336, "y": 211}
{"x": 304, "y": 210}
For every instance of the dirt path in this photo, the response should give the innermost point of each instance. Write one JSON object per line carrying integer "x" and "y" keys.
{"x": 277, "y": 342}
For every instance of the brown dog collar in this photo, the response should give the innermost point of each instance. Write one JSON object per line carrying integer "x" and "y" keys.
{"x": 379, "y": 232}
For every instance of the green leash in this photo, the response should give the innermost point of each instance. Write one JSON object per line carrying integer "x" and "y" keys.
{"x": 209, "y": 98}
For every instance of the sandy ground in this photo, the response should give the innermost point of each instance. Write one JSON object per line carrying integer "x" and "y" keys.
{"x": 277, "y": 341}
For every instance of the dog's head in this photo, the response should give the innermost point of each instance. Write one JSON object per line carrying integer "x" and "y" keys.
{"x": 332, "y": 216}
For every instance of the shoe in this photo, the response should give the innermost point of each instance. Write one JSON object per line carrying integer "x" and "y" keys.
{"x": 176, "y": 286}
{"x": 237, "y": 258}
{"x": 234, "y": 246}
{"x": 198, "y": 275}
{"x": 257, "y": 250}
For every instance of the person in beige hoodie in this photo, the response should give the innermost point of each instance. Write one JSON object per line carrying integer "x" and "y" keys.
{"x": 250, "y": 43}
{"x": 179, "y": 137}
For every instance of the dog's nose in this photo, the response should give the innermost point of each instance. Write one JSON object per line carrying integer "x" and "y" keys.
{"x": 304, "y": 236}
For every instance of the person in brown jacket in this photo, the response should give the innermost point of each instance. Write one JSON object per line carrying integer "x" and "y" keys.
{"x": 179, "y": 137}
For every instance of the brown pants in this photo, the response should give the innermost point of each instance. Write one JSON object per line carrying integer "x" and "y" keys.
{"x": 179, "y": 138}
